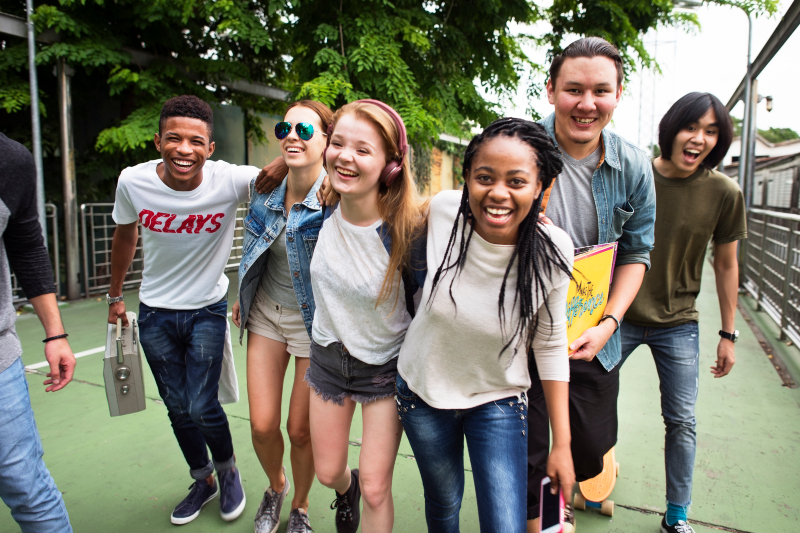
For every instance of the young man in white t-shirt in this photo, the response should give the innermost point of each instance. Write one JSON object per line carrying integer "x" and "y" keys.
{"x": 187, "y": 206}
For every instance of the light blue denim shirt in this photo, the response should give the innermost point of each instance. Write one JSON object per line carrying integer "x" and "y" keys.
{"x": 625, "y": 197}
{"x": 264, "y": 222}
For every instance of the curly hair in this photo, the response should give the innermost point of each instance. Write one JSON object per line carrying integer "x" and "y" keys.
{"x": 188, "y": 106}
{"x": 535, "y": 252}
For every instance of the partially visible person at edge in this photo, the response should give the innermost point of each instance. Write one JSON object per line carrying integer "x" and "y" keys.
{"x": 696, "y": 204}
{"x": 604, "y": 194}
{"x": 187, "y": 207}
{"x": 26, "y": 485}
{"x": 497, "y": 281}
{"x": 360, "y": 319}
{"x": 276, "y": 306}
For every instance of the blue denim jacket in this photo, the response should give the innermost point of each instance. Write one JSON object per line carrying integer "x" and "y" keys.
{"x": 625, "y": 197}
{"x": 264, "y": 222}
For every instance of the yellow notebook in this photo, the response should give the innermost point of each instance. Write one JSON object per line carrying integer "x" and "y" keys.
{"x": 587, "y": 297}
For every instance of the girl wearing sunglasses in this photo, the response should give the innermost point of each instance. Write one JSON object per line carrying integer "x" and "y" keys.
{"x": 276, "y": 306}
{"x": 361, "y": 315}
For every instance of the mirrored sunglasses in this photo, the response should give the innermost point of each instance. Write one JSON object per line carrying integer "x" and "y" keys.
{"x": 304, "y": 130}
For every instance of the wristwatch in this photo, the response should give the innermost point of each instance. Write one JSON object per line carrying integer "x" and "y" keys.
{"x": 114, "y": 299}
{"x": 733, "y": 337}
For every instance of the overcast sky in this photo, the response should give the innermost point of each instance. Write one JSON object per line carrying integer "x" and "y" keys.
{"x": 712, "y": 59}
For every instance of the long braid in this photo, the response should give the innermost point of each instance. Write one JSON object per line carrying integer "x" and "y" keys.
{"x": 535, "y": 252}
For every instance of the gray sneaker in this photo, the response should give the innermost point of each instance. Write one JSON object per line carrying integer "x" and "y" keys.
{"x": 268, "y": 517}
{"x": 298, "y": 522}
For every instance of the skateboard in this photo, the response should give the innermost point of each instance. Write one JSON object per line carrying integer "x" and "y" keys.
{"x": 593, "y": 493}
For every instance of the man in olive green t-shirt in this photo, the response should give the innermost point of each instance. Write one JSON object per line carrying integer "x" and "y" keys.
{"x": 694, "y": 204}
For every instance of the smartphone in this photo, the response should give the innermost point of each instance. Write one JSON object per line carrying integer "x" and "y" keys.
{"x": 551, "y": 509}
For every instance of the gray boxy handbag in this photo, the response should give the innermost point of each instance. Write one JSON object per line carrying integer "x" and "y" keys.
{"x": 122, "y": 369}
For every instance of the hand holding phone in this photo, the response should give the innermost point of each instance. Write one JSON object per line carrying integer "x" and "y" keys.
{"x": 551, "y": 508}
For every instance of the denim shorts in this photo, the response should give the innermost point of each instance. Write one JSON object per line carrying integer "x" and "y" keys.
{"x": 335, "y": 374}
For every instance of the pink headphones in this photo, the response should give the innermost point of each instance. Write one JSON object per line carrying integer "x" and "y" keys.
{"x": 394, "y": 167}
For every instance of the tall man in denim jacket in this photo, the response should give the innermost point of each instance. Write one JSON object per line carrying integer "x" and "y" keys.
{"x": 604, "y": 194}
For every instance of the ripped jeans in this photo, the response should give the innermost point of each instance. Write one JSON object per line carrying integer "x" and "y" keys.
{"x": 184, "y": 350}
{"x": 676, "y": 352}
{"x": 496, "y": 439}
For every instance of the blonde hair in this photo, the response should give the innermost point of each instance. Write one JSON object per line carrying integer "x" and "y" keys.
{"x": 399, "y": 205}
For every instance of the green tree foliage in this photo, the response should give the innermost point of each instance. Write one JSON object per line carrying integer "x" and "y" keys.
{"x": 426, "y": 58}
{"x": 189, "y": 47}
{"x": 776, "y": 135}
{"x": 625, "y": 22}
{"x": 773, "y": 135}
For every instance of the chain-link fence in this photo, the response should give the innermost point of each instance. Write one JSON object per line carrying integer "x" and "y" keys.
{"x": 97, "y": 233}
{"x": 51, "y": 216}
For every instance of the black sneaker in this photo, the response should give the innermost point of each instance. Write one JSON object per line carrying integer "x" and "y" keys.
{"x": 298, "y": 522}
{"x": 678, "y": 527}
{"x": 200, "y": 493}
{"x": 232, "y": 499}
{"x": 348, "y": 514}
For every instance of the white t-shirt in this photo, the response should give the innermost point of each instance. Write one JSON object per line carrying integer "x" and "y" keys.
{"x": 451, "y": 355}
{"x": 347, "y": 273}
{"x": 186, "y": 235}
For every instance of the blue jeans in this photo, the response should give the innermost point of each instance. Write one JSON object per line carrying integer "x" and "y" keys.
{"x": 495, "y": 435}
{"x": 676, "y": 352}
{"x": 184, "y": 349}
{"x": 26, "y": 485}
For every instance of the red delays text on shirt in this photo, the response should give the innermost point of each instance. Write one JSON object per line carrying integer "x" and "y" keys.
{"x": 165, "y": 222}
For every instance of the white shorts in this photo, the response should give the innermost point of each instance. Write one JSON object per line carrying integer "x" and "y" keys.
{"x": 270, "y": 319}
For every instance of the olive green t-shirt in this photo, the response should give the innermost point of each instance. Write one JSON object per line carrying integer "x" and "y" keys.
{"x": 689, "y": 212}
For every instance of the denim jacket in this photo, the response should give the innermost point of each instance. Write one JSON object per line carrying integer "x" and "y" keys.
{"x": 263, "y": 223}
{"x": 625, "y": 197}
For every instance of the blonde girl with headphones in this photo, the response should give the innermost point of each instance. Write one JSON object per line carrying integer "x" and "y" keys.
{"x": 361, "y": 314}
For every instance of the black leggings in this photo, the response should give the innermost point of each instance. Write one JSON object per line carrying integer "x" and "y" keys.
{"x": 593, "y": 395}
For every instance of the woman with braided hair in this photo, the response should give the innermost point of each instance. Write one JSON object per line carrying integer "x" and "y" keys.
{"x": 495, "y": 291}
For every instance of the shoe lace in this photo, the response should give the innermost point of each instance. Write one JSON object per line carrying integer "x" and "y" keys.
{"x": 342, "y": 507}
{"x": 682, "y": 527}
{"x": 298, "y": 523}
{"x": 268, "y": 505}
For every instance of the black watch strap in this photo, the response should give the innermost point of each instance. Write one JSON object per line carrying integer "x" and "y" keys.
{"x": 733, "y": 337}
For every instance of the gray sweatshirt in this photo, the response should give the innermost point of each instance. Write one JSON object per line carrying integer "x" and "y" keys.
{"x": 22, "y": 246}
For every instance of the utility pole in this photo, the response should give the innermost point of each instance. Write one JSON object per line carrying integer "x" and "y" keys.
{"x": 36, "y": 129}
{"x": 744, "y": 139}
{"x": 64, "y": 73}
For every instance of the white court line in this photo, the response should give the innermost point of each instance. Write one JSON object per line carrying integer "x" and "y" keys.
{"x": 77, "y": 356}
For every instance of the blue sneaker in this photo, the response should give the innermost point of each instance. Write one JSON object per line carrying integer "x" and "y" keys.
{"x": 200, "y": 494}
{"x": 232, "y": 499}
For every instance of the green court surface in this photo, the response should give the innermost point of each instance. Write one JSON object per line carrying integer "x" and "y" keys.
{"x": 125, "y": 474}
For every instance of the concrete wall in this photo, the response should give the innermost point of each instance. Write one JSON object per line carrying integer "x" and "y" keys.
{"x": 441, "y": 173}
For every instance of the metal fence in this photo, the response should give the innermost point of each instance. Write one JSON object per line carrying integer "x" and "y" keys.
{"x": 771, "y": 266}
{"x": 97, "y": 232}
{"x": 51, "y": 216}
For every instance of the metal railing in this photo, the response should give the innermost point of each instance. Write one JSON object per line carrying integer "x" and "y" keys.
{"x": 771, "y": 266}
{"x": 97, "y": 232}
{"x": 51, "y": 216}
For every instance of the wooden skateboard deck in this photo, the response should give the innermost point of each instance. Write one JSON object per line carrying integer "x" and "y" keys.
{"x": 600, "y": 487}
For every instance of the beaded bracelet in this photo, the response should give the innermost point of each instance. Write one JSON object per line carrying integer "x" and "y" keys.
{"x": 612, "y": 317}
{"x": 62, "y": 336}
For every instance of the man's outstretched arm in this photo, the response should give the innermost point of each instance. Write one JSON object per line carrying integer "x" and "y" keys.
{"x": 271, "y": 175}
{"x": 123, "y": 247}
{"x": 57, "y": 352}
{"x": 726, "y": 272}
